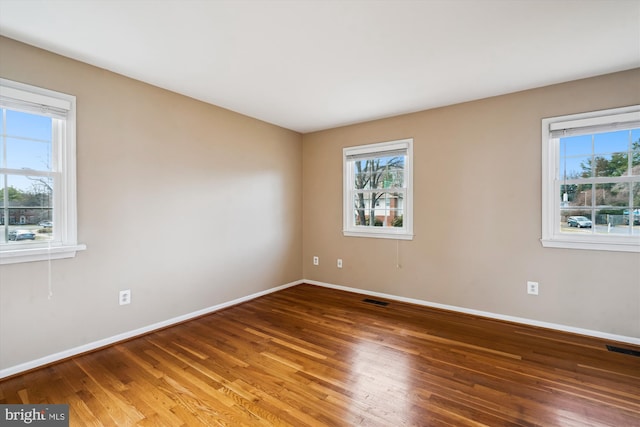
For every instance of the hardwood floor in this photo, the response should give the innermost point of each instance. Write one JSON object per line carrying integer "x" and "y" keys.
{"x": 309, "y": 356}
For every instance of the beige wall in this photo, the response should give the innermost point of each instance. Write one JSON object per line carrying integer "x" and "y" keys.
{"x": 190, "y": 206}
{"x": 477, "y": 192}
{"x": 186, "y": 204}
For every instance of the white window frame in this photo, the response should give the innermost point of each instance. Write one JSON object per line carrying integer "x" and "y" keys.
{"x": 583, "y": 123}
{"x": 349, "y": 228}
{"x": 64, "y": 243}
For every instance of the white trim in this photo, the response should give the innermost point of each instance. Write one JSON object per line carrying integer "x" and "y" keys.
{"x": 521, "y": 320}
{"x": 39, "y": 254}
{"x": 380, "y": 233}
{"x": 590, "y": 245}
{"x": 65, "y": 354}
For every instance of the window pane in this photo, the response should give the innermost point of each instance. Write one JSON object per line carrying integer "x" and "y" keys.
{"x": 27, "y": 209}
{"x": 617, "y": 225}
{"x": 616, "y": 164}
{"x": 614, "y": 216}
{"x": 611, "y": 142}
{"x": 392, "y": 178}
{"x": 362, "y": 175}
{"x": 367, "y": 205}
{"x": 28, "y": 154}
{"x": 612, "y": 194}
{"x": 379, "y": 173}
{"x": 583, "y": 195}
{"x": 387, "y": 209}
{"x": 575, "y": 167}
{"x": 362, "y": 206}
{"x": 576, "y": 146}
{"x": 568, "y": 194}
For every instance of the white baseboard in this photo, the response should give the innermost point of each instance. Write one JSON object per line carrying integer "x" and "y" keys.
{"x": 23, "y": 367}
{"x": 524, "y": 321}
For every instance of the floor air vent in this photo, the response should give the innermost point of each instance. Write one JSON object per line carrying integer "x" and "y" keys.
{"x": 375, "y": 302}
{"x": 624, "y": 350}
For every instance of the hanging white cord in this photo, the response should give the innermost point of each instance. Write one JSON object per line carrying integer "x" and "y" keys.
{"x": 398, "y": 254}
{"x": 50, "y": 281}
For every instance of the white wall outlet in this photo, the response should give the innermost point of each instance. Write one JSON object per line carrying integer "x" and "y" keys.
{"x": 316, "y": 260}
{"x": 125, "y": 297}
{"x": 532, "y": 288}
{"x": 339, "y": 263}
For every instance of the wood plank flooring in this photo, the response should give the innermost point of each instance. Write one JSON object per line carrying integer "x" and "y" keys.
{"x": 310, "y": 356}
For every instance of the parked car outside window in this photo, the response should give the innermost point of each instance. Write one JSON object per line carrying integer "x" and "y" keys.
{"x": 21, "y": 235}
{"x": 579, "y": 221}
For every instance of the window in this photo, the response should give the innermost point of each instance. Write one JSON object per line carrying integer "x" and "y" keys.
{"x": 591, "y": 180}
{"x": 378, "y": 190}
{"x": 37, "y": 174}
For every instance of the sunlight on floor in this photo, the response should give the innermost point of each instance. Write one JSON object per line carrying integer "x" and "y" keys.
{"x": 381, "y": 382}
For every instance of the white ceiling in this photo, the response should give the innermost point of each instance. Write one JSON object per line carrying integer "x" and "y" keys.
{"x": 310, "y": 65}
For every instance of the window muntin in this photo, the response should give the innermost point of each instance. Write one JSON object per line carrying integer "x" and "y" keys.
{"x": 592, "y": 169}
{"x": 37, "y": 174}
{"x": 377, "y": 190}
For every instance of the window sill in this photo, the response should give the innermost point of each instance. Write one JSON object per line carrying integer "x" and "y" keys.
{"x": 378, "y": 235}
{"x": 627, "y": 246}
{"x": 31, "y": 254}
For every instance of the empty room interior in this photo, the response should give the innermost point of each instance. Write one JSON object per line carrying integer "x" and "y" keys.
{"x": 376, "y": 213}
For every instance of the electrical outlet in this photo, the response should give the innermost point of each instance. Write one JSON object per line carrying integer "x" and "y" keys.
{"x": 125, "y": 297}
{"x": 316, "y": 260}
{"x": 532, "y": 288}
{"x": 339, "y": 263}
